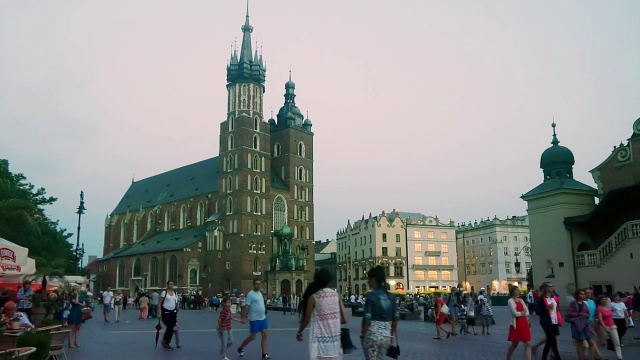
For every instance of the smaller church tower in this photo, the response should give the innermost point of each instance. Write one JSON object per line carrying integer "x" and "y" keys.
{"x": 558, "y": 197}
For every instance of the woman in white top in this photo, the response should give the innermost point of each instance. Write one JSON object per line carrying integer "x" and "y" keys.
{"x": 168, "y": 310}
{"x": 620, "y": 314}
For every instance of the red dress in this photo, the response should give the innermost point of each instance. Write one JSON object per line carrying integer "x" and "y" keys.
{"x": 522, "y": 332}
{"x": 442, "y": 317}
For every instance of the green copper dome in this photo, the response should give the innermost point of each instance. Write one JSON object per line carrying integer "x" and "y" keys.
{"x": 286, "y": 230}
{"x": 557, "y": 161}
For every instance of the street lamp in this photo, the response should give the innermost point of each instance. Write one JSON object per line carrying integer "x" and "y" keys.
{"x": 392, "y": 284}
{"x": 79, "y": 251}
{"x": 517, "y": 264}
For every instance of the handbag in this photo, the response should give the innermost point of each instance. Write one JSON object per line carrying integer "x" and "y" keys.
{"x": 444, "y": 309}
{"x": 394, "y": 350}
{"x": 86, "y": 314}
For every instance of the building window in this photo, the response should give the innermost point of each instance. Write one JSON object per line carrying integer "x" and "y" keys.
{"x": 504, "y": 238}
{"x": 482, "y": 252}
{"x": 468, "y": 269}
{"x": 230, "y": 142}
{"x": 301, "y": 149}
{"x": 256, "y": 184}
{"x": 446, "y": 275}
{"x": 419, "y": 275}
{"x": 122, "y": 233}
{"x": 506, "y": 251}
{"x": 432, "y": 260}
{"x": 473, "y": 241}
{"x": 397, "y": 269}
{"x": 200, "y": 214}
{"x": 256, "y": 163}
{"x": 256, "y": 142}
{"x": 515, "y": 251}
{"x": 370, "y": 252}
{"x": 473, "y": 269}
{"x": 227, "y": 265}
{"x": 431, "y": 235}
{"x": 397, "y": 238}
{"x": 167, "y": 220}
{"x": 528, "y": 266}
{"x": 431, "y": 247}
{"x": 507, "y": 267}
{"x": 384, "y": 237}
{"x": 256, "y": 266}
{"x": 398, "y": 251}
{"x": 229, "y": 207}
{"x": 256, "y": 205}
{"x": 149, "y": 221}
{"x": 444, "y": 248}
{"x": 153, "y": 272}
{"x": 445, "y": 260}
{"x": 193, "y": 277}
{"x": 482, "y": 269}
{"x": 490, "y": 268}
{"x": 277, "y": 150}
{"x": 417, "y": 247}
{"x": 418, "y": 260}
{"x": 385, "y": 251}
{"x": 515, "y": 238}
{"x": 481, "y": 240}
{"x": 173, "y": 269}
{"x": 444, "y": 235}
{"x": 418, "y": 235}
{"x": 433, "y": 275}
{"x": 490, "y": 251}
{"x": 256, "y": 123}
{"x": 183, "y": 217}
{"x": 232, "y": 123}
{"x": 120, "y": 277}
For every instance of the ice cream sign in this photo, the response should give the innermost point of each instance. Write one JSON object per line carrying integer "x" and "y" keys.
{"x": 7, "y": 254}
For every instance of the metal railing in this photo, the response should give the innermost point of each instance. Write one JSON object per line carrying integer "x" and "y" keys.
{"x": 597, "y": 257}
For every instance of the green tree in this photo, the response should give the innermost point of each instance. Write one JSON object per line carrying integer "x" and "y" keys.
{"x": 24, "y": 222}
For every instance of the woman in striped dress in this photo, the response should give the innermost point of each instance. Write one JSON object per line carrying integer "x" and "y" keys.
{"x": 323, "y": 309}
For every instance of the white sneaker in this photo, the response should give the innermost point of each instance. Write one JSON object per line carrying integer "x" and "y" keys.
{"x": 225, "y": 358}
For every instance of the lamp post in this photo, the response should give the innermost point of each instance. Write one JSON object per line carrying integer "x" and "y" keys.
{"x": 79, "y": 251}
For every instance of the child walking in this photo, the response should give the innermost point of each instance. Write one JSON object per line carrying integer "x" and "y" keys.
{"x": 224, "y": 328}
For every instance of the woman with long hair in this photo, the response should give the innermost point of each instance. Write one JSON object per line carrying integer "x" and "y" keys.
{"x": 75, "y": 316}
{"x": 550, "y": 319}
{"x": 168, "y": 312}
{"x": 578, "y": 317}
{"x": 324, "y": 310}
{"x": 520, "y": 328}
{"x": 118, "y": 303}
{"x": 441, "y": 317}
{"x": 380, "y": 319}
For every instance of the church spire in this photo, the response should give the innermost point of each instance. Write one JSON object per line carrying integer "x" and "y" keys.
{"x": 245, "y": 50}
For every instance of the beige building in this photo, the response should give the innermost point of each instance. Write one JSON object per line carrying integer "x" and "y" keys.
{"x": 368, "y": 242}
{"x": 577, "y": 243}
{"x": 431, "y": 254}
{"x": 494, "y": 254}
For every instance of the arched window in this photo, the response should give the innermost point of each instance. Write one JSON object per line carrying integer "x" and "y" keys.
{"x": 230, "y": 142}
{"x": 295, "y": 232}
{"x": 137, "y": 268}
{"x": 232, "y": 123}
{"x": 256, "y": 265}
{"x": 229, "y": 206}
{"x": 230, "y": 163}
{"x": 167, "y": 220}
{"x": 183, "y": 217}
{"x": 277, "y": 150}
{"x": 256, "y": 184}
{"x": 252, "y": 247}
{"x": 120, "y": 275}
{"x": 122, "y": 233}
{"x": 173, "y": 269}
{"x": 279, "y": 213}
{"x": 249, "y": 226}
{"x": 153, "y": 272}
{"x": 256, "y": 123}
{"x": 135, "y": 229}
{"x": 256, "y": 163}
{"x": 301, "y": 174}
{"x": 261, "y": 248}
{"x": 229, "y": 184}
{"x": 307, "y": 233}
{"x": 244, "y": 96}
{"x": 200, "y": 215}
{"x": 301, "y": 150}
{"x": 256, "y": 142}
{"x": 256, "y": 205}
{"x": 193, "y": 277}
{"x": 150, "y": 220}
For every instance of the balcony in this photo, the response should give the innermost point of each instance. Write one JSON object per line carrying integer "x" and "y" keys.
{"x": 432, "y": 253}
{"x": 433, "y": 267}
{"x": 599, "y": 256}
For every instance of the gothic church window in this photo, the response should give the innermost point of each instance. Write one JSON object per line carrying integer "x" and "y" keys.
{"x": 256, "y": 206}
{"x": 183, "y": 217}
{"x": 200, "y": 215}
{"x": 230, "y": 142}
{"x": 244, "y": 96}
{"x": 167, "y": 220}
{"x": 256, "y": 142}
{"x": 230, "y": 206}
{"x": 256, "y": 163}
{"x": 122, "y": 233}
{"x": 277, "y": 150}
{"x": 149, "y": 221}
{"x": 256, "y": 123}
{"x": 153, "y": 271}
{"x": 261, "y": 248}
{"x": 249, "y": 226}
{"x": 173, "y": 269}
{"x": 256, "y": 184}
{"x": 232, "y": 123}
{"x": 301, "y": 149}
{"x": 135, "y": 230}
{"x": 279, "y": 212}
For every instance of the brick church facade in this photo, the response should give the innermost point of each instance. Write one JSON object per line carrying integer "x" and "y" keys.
{"x": 217, "y": 224}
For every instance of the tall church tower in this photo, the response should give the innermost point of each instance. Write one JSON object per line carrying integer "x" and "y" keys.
{"x": 244, "y": 169}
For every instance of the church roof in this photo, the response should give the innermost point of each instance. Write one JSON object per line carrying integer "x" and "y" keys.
{"x": 162, "y": 242}
{"x": 183, "y": 182}
{"x": 557, "y": 184}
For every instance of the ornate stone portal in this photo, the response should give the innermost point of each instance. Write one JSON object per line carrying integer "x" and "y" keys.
{"x": 288, "y": 273}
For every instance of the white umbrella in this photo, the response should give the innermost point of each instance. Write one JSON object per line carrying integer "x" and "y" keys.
{"x": 12, "y": 254}
{"x": 28, "y": 269}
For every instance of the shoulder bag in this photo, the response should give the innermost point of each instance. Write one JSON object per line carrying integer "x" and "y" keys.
{"x": 444, "y": 309}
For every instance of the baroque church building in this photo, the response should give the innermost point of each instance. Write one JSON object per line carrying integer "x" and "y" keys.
{"x": 217, "y": 224}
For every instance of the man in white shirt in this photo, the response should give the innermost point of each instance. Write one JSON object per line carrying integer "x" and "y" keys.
{"x": 107, "y": 303}
{"x": 255, "y": 311}
{"x": 10, "y": 312}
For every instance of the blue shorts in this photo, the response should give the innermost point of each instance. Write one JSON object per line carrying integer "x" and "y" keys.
{"x": 106, "y": 309}
{"x": 258, "y": 325}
